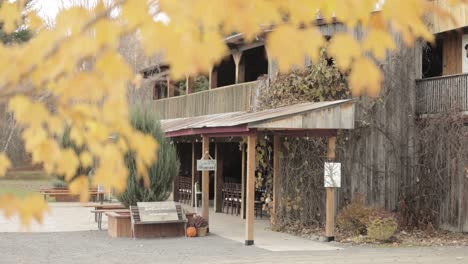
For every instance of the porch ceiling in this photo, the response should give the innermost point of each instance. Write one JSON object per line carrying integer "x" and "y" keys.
{"x": 331, "y": 115}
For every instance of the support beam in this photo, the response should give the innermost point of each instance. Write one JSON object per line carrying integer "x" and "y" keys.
{"x": 237, "y": 55}
{"x": 249, "y": 226}
{"x": 170, "y": 88}
{"x": 188, "y": 85}
{"x": 168, "y": 84}
{"x": 213, "y": 78}
{"x": 205, "y": 181}
{"x": 243, "y": 182}
{"x": 330, "y": 200}
{"x": 276, "y": 144}
{"x": 272, "y": 65}
{"x": 194, "y": 194}
{"x": 219, "y": 178}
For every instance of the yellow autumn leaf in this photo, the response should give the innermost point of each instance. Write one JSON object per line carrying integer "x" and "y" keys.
{"x": 67, "y": 164}
{"x": 365, "y": 78}
{"x": 34, "y": 21}
{"x": 86, "y": 159}
{"x": 8, "y": 204}
{"x": 307, "y": 42}
{"x": 32, "y": 207}
{"x": 5, "y": 164}
{"x": 378, "y": 42}
{"x": 80, "y": 186}
{"x": 344, "y": 49}
{"x": 10, "y": 14}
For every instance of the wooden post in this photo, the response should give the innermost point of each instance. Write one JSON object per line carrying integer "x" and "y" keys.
{"x": 330, "y": 202}
{"x": 205, "y": 181}
{"x": 237, "y": 55}
{"x": 168, "y": 83}
{"x": 276, "y": 143}
{"x": 213, "y": 78}
{"x": 170, "y": 88}
{"x": 272, "y": 65}
{"x": 218, "y": 202}
{"x": 243, "y": 182}
{"x": 215, "y": 202}
{"x": 194, "y": 195}
{"x": 249, "y": 226}
{"x": 188, "y": 85}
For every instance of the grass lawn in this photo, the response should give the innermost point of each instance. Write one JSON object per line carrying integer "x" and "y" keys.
{"x": 21, "y": 183}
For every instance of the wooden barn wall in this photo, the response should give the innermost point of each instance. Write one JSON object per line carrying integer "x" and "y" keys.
{"x": 451, "y": 53}
{"x": 379, "y": 157}
{"x": 454, "y": 206}
{"x": 378, "y": 153}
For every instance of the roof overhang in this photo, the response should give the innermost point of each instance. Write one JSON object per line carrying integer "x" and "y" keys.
{"x": 312, "y": 119}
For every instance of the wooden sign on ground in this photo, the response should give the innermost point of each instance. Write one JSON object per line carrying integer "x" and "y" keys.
{"x": 157, "y": 211}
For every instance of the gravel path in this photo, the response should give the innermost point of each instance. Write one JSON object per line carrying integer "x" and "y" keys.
{"x": 97, "y": 247}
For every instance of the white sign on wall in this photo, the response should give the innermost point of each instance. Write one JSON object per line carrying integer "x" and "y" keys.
{"x": 332, "y": 175}
{"x": 464, "y": 55}
{"x": 206, "y": 165}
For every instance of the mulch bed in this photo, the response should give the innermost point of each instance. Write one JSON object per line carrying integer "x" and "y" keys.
{"x": 402, "y": 238}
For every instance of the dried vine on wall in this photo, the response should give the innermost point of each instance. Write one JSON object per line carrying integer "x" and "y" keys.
{"x": 441, "y": 159}
{"x": 301, "y": 159}
{"x": 301, "y": 184}
{"x": 318, "y": 82}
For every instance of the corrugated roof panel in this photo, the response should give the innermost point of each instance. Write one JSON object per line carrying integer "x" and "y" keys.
{"x": 244, "y": 118}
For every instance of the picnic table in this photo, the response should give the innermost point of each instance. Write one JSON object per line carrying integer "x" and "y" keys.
{"x": 99, "y": 206}
{"x": 99, "y": 196}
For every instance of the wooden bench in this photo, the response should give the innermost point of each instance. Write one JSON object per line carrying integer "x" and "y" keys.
{"x": 99, "y": 213}
{"x": 119, "y": 224}
{"x": 156, "y": 229}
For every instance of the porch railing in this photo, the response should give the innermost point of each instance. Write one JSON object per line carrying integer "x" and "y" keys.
{"x": 232, "y": 98}
{"x": 440, "y": 94}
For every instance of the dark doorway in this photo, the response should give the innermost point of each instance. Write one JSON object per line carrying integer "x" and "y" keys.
{"x": 255, "y": 62}
{"x": 432, "y": 60}
{"x": 226, "y": 71}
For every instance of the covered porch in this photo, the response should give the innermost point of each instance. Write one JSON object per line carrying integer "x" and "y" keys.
{"x": 321, "y": 119}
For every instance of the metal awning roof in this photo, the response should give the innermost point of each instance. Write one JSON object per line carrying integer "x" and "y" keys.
{"x": 331, "y": 115}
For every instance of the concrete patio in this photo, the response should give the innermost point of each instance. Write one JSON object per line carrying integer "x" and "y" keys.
{"x": 70, "y": 217}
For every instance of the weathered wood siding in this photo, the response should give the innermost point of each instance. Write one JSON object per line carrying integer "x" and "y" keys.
{"x": 237, "y": 97}
{"x": 459, "y": 12}
{"x": 378, "y": 157}
{"x": 440, "y": 94}
{"x": 452, "y": 53}
{"x": 454, "y": 206}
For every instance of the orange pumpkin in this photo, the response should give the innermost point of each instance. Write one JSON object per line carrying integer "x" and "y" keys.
{"x": 191, "y": 232}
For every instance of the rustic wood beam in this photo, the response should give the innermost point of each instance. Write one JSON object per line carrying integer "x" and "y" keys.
{"x": 219, "y": 179}
{"x": 194, "y": 194}
{"x": 237, "y": 55}
{"x": 330, "y": 200}
{"x": 249, "y": 226}
{"x": 168, "y": 83}
{"x": 243, "y": 182}
{"x": 188, "y": 85}
{"x": 205, "y": 181}
{"x": 272, "y": 65}
{"x": 213, "y": 78}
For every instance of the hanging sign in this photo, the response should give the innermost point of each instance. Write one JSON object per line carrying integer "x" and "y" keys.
{"x": 208, "y": 164}
{"x": 332, "y": 175}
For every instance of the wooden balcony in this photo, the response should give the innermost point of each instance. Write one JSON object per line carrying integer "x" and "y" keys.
{"x": 232, "y": 98}
{"x": 440, "y": 94}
